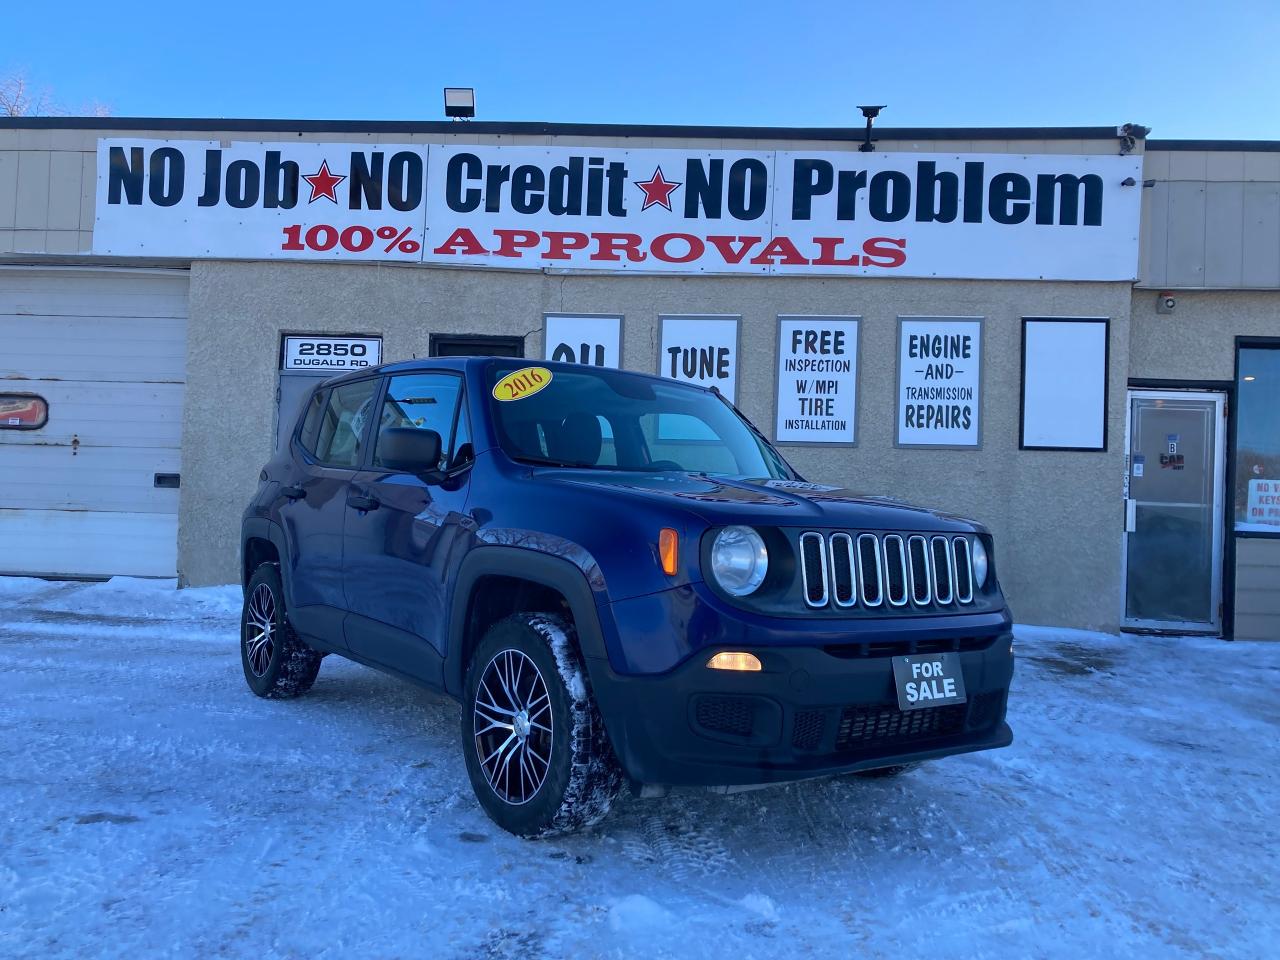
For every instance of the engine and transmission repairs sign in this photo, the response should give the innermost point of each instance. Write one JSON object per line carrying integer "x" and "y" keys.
{"x": 939, "y": 382}
{"x": 982, "y": 216}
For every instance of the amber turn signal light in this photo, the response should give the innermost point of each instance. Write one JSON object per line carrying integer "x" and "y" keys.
{"x": 668, "y": 550}
{"x": 734, "y": 660}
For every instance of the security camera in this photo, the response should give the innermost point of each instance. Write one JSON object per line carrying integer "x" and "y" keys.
{"x": 1166, "y": 302}
{"x": 1135, "y": 130}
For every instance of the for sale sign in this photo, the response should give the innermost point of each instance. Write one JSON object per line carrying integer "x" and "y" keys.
{"x": 817, "y": 380}
{"x": 939, "y": 381}
{"x": 999, "y": 216}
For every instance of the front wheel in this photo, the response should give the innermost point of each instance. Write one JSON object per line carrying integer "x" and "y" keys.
{"x": 535, "y": 746}
{"x": 277, "y": 664}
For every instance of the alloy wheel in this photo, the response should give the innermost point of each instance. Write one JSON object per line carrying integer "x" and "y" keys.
{"x": 260, "y": 630}
{"x": 513, "y": 724}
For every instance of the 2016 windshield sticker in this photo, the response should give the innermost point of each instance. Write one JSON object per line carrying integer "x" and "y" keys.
{"x": 521, "y": 383}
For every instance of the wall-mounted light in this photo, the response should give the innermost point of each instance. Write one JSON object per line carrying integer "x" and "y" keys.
{"x": 870, "y": 113}
{"x": 459, "y": 102}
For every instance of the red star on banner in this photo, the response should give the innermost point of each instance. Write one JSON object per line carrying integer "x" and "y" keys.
{"x": 656, "y": 189}
{"x": 323, "y": 183}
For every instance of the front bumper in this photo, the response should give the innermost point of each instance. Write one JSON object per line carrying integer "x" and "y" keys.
{"x": 811, "y": 711}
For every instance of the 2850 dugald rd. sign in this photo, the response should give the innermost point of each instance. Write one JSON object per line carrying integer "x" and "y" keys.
{"x": 826, "y": 213}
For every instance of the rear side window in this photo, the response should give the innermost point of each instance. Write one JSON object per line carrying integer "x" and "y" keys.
{"x": 23, "y": 411}
{"x": 342, "y": 423}
{"x": 311, "y": 425}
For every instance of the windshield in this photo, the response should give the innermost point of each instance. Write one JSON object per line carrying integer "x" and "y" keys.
{"x": 603, "y": 419}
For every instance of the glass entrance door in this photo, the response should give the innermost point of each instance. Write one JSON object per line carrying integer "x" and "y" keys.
{"x": 1173, "y": 510}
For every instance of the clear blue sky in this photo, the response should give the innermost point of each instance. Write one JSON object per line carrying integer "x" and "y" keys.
{"x": 1186, "y": 69}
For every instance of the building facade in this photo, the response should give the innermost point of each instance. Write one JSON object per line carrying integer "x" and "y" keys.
{"x": 1072, "y": 335}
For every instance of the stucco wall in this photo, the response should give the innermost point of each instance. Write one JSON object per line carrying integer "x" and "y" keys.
{"x": 1056, "y": 515}
{"x": 1197, "y": 341}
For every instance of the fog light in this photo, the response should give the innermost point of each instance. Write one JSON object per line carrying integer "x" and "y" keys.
{"x": 735, "y": 660}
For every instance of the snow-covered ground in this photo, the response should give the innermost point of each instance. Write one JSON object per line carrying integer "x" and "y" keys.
{"x": 151, "y": 806}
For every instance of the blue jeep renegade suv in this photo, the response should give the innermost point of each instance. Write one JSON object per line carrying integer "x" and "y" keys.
{"x": 621, "y": 580}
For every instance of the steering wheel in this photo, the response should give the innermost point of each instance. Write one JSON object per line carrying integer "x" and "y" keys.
{"x": 665, "y": 465}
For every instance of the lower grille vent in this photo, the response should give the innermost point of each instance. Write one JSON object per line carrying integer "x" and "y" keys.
{"x": 807, "y": 732}
{"x": 850, "y": 651}
{"x": 863, "y": 728}
{"x": 731, "y": 715}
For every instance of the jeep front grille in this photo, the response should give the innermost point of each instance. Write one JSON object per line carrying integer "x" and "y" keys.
{"x": 874, "y": 570}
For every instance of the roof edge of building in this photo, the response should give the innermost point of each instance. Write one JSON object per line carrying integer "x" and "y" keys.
{"x": 537, "y": 128}
{"x": 1247, "y": 146}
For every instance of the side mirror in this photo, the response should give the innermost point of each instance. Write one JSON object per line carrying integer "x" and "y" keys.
{"x": 411, "y": 450}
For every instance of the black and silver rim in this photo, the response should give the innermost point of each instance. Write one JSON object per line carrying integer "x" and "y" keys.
{"x": 260, "y": 630}
{"x": 513, "y": 725}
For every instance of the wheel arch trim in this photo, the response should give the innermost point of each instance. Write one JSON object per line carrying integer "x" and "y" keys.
{"x": 543, "y": 569}
{"x": 260, "y": 528}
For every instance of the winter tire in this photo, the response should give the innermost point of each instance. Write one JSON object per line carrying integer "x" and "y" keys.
{"x": 535, "y": 746}
{"x": 277, "y": 664}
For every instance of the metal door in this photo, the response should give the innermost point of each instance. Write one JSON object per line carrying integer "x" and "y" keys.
{"x": 1173, "y": 510}
{"x": 93, "y": 490}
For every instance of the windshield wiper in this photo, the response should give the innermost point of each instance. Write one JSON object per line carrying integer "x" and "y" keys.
{"x": 552, "y": 462}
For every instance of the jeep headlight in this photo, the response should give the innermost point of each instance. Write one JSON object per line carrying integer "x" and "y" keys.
{"x": 739, "y": 560}
{"x": 980, "y": 563}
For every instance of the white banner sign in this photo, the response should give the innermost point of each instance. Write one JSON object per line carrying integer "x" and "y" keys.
{"x": 592, "y": 340}
{"x": 330, "y": 353}
{"x": 817, "y": 380}
{"x": 939, "y": 382}
{"x": 998, "y": 216}
{"x": 172, "y": 198}
{"x": 701, "y": 350}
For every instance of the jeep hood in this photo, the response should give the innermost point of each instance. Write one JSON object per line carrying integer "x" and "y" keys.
{"x": 722, "y": 500}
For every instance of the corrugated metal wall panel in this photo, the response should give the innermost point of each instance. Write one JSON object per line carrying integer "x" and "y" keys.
{"x": 1223, "y": 234}
{"x": 1186, "y": 228}
{"x": 1260, "y": 262}
{"x": 1211, "y": 219}
{"x": 1154, "y": 267}
{"x": 1257, "y": 599}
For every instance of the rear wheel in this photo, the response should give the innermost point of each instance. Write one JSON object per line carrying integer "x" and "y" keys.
{"x": 277, "y": 664}
{"x": 535, "y": 746}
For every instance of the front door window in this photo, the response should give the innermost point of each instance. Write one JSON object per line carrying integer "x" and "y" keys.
{"x": 1173, "y": 514}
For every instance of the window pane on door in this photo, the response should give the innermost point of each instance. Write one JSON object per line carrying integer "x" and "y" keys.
{"x": 342, "y": 426}
{"x": 1257, "y": 493}
{"x": 426, "y": 401}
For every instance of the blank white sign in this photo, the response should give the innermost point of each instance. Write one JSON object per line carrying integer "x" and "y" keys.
{"x": 1064, "y": 384}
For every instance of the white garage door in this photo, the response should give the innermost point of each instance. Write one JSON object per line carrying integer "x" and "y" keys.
{"x": 90, "y": 492}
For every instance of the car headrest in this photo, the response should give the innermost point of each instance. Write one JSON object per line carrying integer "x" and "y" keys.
{"x": 578, "y": 439}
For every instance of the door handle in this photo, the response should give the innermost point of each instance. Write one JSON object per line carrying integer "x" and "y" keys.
{"x": 1130, "y": 516}
{"x": 294, "y": 492}
{"x": 361, "y": 502}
